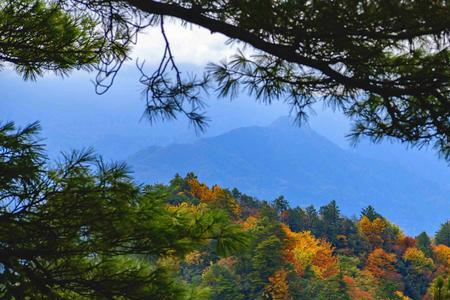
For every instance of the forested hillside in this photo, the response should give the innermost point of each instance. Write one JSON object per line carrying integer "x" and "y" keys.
{"x": 305, "y": 167}
{"x": 311, "y": 253}
{"x": 81, "y": 229}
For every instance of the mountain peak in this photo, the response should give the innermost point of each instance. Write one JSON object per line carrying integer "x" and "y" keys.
{"x": 284, "y": 159}
{"x": 287, "y": 122}
{"x": 284, "y": 121}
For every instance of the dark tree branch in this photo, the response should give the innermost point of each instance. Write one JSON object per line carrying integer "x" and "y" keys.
{"x": 285, "y": 52}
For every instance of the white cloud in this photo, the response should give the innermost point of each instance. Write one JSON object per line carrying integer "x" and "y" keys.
{"x": 190, "y": 44}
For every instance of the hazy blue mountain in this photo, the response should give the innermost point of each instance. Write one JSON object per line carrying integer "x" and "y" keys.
{"x": 423, "y": 163}
{"x": 74, "y": 117}
{"x": 303, "y": 166}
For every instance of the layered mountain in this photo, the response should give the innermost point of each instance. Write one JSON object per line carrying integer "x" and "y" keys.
{"x": 306, "y": 168}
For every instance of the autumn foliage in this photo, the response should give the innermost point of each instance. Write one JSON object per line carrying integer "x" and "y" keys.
{"x": 303, "y": 253}
{"x": 418, "y": 259}
{"x": 250, "y": 222}
{"x": 372, "y": 230}
{"x": 381, "y": 264}
{"x": 441, "y": 255}
{"x": 303, "y": 250}
{"x": 404, "y": 243}
{"x": 216, "y": 196}
{"x": 278, "y": 287}
{"x": 355, "y": 292}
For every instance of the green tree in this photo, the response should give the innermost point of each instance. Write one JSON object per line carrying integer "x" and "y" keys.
{"x": 222, "y": 282}
{"x": 443, "y": 235}
{"x": 384, "y": 64}
{"x": 440, "y": 289}
{"x": 280, "y": 204}
{"x": 262, "y": 258}
{"x": 368, "y": 58}
{"x": 370, "y": 213}
{"x": 83, "y": 230}
{"x": 296, "y": 219}
{"x": 38, "y": 36}
{"x": 423, "y": 242}
{"x": 312, "y": 221}
{"x": 416, "y": 280}
{"x": 330, "y": 221}
{"x": 350, "y": 242}
{"x": 249, "y": 205}
{"x": 312, "y": 288}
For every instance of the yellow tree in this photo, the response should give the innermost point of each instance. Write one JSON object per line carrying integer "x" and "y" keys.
{"x": 303, "y": 250}
{"x": 441, "y": 255}
{"x": 215, "y": 197}
{"x": 223, "y": 199}
{"x": 278, "y": 287}
{"x": 372, "y": 231}
{"x": 418, "y": 259}
{"x": 249, "y": 223}
{"x": 200, "y": 190}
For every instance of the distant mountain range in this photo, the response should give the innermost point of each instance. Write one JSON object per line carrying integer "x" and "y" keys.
{"x": 306, "y": 168}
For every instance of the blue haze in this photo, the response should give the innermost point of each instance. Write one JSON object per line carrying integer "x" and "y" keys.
{"x": 388, "y": 176}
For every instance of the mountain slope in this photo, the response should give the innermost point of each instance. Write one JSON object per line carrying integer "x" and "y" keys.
{"x": 303, "y": 166}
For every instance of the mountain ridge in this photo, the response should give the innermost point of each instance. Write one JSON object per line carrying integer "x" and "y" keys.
{"x": 302, "y": 165}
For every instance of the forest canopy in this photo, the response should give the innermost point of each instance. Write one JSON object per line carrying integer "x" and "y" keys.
{"x": 384, "y": 64}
